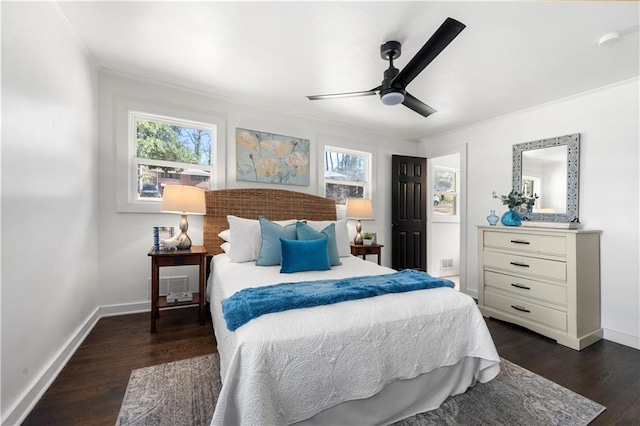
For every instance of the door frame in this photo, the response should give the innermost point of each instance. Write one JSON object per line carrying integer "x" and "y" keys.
{"x": 430, "y": 152}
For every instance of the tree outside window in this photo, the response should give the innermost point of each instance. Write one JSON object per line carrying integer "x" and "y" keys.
{"x": 445, "y": 198}
{"x": 170, "y": 151}
{"x": 346, "y": 174}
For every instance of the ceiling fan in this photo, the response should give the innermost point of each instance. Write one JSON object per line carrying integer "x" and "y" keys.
{"x": 393, "y": 88}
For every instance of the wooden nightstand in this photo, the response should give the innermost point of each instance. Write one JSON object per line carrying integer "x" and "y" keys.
{"x": 362, "y": 250}
{"x": 196, "y": 255}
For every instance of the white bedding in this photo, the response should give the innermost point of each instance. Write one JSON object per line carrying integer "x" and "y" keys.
{"x": 286, "y": 367}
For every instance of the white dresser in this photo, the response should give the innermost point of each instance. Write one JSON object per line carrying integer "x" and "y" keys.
{"x": 544, "y": 279}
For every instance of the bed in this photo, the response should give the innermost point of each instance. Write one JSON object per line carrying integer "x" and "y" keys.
{"x": 364, "y": 362}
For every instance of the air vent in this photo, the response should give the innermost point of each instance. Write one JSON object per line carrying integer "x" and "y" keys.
{"x": 446, "y": 263}
{"x": 177, "y": 284}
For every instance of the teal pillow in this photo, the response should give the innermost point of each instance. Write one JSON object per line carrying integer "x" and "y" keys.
{"x": 305, "y": 232}
{"x": 271, "y": 233}
{"x": 299, "y": 256}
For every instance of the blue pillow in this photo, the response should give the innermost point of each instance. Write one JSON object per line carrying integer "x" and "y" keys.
{"x": 305, "y": 232}
{"x": 299, "y": 256}
{"x": 271, "y": 233}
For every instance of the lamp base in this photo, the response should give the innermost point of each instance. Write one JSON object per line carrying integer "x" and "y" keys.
{"x": 358, "y": 239}
{"x": 184, "y": 242}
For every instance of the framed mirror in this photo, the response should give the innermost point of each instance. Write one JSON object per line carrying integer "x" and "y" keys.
{"x": 549, "y": 168}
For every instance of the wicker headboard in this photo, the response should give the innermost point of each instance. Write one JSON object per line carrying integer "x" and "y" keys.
{"x": 274, "y": 204}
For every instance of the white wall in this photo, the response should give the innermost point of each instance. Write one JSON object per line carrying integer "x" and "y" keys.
{"x": 49, "y": 199}
{"x": 608, "y": 121}
{"x": 125, "y": 238}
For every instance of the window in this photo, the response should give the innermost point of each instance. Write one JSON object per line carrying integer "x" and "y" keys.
{"x": 168, "y": 151}
{"x": 445, "y": 192}
{"x": 346, "y": 174}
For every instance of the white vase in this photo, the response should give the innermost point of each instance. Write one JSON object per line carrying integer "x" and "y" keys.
{"x": 367, "y": 242}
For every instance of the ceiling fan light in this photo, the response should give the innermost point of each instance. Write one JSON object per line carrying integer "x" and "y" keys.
{"x": 393, "y": 98}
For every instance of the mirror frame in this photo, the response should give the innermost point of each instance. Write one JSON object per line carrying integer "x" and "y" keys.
{"x": 573, "y": 167}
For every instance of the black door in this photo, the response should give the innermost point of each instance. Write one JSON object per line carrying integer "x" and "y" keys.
{"x": 409, "y": 213}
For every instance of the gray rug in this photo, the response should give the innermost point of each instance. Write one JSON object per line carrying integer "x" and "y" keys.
{"x": 184, "y": 393}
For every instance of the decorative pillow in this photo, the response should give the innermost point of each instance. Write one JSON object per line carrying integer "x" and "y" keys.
{"x": 342, "y": 234}
{"x": 299, "y": 256}
{"x": 245, "y": 234}
{"x": 225, "y": 247}
{"x": 225, "y": 235}
{"x": 305, "y": 232}
{"x": 271, "y": 234}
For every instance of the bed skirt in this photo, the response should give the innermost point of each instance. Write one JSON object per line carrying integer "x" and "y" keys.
{"x": 404, "y": 398}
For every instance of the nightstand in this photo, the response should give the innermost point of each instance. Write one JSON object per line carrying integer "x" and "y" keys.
{"x": 362, "y": 250}
{"x": 196, "y": 255}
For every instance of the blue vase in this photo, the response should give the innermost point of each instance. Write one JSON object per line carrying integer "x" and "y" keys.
{"x": 493, "y": 218}
{"x": 511, "y": 218}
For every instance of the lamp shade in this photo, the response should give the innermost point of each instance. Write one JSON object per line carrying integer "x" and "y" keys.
{"x": 183, "y": 199}
{"x": 359, "y": 208}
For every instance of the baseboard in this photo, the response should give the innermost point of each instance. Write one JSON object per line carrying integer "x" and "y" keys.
{"x": 21, "y": 409}
{"x": 622, "y": 338}
{"x": 124, "y": 309}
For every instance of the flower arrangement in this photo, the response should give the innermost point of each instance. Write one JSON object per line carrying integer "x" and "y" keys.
{"x": 516, "y": 199}
{"x": 367, "y": 235}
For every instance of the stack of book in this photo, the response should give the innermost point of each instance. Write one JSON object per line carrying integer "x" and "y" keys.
{"x": 179, "y": 297}
{"x": 161, "y": 233}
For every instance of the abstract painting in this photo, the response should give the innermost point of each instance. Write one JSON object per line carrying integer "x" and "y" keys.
{"x": 271, "y": 158}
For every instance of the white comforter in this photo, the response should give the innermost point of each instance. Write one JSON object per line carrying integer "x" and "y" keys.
{"x": 288, "y": 366}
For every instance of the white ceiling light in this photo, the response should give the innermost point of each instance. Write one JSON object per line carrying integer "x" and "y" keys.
{"x": 609, "y": 39}
{"x": 393, "y": 98}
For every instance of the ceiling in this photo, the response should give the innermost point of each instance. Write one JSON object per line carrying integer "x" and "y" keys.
{"x": 511, "y": 56}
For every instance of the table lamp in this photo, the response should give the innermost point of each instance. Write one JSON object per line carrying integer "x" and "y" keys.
{"x": 183, "y": 199}
{"x": 359, "y": 208}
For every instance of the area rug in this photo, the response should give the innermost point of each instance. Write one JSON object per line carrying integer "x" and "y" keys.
{"x": 184, "y": 393}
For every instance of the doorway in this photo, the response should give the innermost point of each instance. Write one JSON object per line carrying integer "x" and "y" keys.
{"x": 444, "y": 217}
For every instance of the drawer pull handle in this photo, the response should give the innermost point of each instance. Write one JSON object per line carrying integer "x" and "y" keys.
{"x": 524, "y": 287}
{"x": 524, "y": 265}
{"x": 520, "y": 242}
{"x": 520, "y": 308}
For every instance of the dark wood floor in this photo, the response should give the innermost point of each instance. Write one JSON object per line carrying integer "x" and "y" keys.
{"x": 91, "y": 387}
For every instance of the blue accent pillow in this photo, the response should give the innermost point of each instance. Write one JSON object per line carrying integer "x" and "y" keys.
{"x": 271, "y": 233}
{"x": 305, "y": 233}
{"x": 299, "y": 256}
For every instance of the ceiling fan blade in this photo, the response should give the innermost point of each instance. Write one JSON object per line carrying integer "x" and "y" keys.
{"x": 345, "y": 95}
{"x": 417, "y": 105}
{"x": 444, "y": 35}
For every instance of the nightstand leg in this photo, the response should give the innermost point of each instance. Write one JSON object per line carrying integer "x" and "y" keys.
{"x": 203, "y": 268}
{"x": 155, "y": 290}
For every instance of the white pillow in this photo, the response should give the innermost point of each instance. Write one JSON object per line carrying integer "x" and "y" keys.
{"x": 226, "y": 247}
{"x": 342, "y": 234}
{"x": 225, "y": 235}
{"x": 246, "y": 236}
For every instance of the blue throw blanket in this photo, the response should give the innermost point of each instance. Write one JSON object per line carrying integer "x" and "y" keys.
{"x": 251, "y": 303}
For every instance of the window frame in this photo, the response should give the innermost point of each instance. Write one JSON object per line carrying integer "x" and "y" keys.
{"x": 136, "y": 161}
{"x": 447, "y": 218}
{"x": 366, "y": 183}
{"x": 125, "y": 183}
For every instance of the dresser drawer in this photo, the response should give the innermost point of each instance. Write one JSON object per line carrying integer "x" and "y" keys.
{"x": 531, "y": 266}
{"x": 524, "y": 242}
{"x": 527, "y": 310}
{"x": 556, "y": 294}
